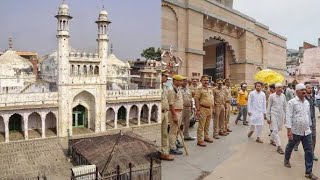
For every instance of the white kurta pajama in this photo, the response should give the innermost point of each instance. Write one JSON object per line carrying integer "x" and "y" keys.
{"x": 257, "y": 108}
{"x": 276, "y": 109}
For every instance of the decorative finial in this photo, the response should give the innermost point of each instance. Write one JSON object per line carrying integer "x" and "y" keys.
{"x": 10, "y": 43}
{"x": 111, "y": 48}
{"x": 103, "y": 7}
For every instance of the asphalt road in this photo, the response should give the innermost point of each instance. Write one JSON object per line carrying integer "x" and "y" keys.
{"x": 236, "y": 157}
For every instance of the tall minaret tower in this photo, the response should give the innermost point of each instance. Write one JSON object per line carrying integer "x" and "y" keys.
{"x": 63, "y": 43}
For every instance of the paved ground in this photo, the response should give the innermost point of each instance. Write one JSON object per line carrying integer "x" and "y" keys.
{"x": 236, "y": 157}
{"x": 24, "y": 159}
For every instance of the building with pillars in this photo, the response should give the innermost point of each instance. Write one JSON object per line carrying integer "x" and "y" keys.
{"x": 213, "y": 38}
{"x": 91, "y": 95}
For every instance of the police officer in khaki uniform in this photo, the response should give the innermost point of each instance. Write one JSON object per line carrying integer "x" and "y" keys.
{"x": 204, "y": 103}
{"x": 219, "y": 96}
{"x": 194, "y": 86}
{"x": 227, "y": 87}
{"x": 187, "y": 109}
{"x": 164, "y": 119}
{"x": 175, "y": 115}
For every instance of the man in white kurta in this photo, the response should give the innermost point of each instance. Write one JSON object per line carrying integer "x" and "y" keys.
{"x": 276, "y": 109}
{"x": 256, "y": 111}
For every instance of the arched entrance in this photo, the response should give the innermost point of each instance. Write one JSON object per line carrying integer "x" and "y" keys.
{"x": 2, "y": 129}
{"x": 154, "y": 114}
{"x": 34, "y": 125}
{"x": 122, "y": 117}
{"x": 133, "y": 115}
{"x": 110, "y": 119}
{"x": 79, "y": 116}
{"x": 144, "y": 114}
{"x": 83, "y": 113}
{"x": 15, "y": 127}
{"x": 217, "y": 58}
{"x": 51, "y": 125}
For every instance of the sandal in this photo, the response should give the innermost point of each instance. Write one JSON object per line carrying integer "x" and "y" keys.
{"x": 259, "y": 140}
{"x": 280, "y": 151}
{"x": 287, "y": 163}
{"x": 273, "y": 143}
{"x": 311, "y": 176}
{"x": 250, "y": 134}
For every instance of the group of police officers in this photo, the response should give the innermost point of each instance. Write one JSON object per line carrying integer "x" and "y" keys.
{"x": 176, "y": 106}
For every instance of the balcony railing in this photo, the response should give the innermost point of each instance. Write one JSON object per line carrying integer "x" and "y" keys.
{"x": 28, "y": 99}
{"x": 140, "y": 94}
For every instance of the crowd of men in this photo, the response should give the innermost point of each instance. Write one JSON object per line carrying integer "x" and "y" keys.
{"x": 292, "y": 108}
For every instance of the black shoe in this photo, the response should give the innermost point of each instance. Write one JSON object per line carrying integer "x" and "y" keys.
{"x": 245, "y": 124}
{"x": 189, "y": 139}
{"x": 175, "y": 152}
{"x": 179, "y": 145}
{"x": 315, "y": 158}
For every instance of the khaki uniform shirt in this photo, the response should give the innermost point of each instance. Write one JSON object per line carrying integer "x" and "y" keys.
{"x": 187, "y": 97}
{"x": 204, "y": 96}
{"x": 193, "y": 90}
{"x": 228, "y": 94}
{"x": 164, "y": 98}
{"x": 175, "y": 98}
{"x": 219, "y": 96}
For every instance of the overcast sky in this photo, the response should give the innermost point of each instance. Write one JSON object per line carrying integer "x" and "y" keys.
{"x": 297, "y": 20}
{"x": 135, "y": 25}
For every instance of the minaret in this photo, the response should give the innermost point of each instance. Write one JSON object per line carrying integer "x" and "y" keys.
{"x": 103, "y": 37}
{"x": 63, "y": 42}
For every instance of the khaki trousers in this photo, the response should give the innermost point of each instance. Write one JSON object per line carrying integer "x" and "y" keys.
{"x": 174, "y": 130}
{"x": 186, "y": 115}
{"x": 203, "y": 123}
{"x": 164, "y": 133}
{"x": 227, "y": 116}
{"x": 219, "y": 118}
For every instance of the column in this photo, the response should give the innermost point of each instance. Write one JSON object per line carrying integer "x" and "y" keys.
{"x": 43, "y": 124}
{"x": 149, "y": 114}
{"x": 139, "y": 114}
{"x": 128, "y": 116}
{"x": 6, "y": 126}
{"x": 159, "y": 114}
{"x": 25, "y": 121}
{"x": 116, "y": 119}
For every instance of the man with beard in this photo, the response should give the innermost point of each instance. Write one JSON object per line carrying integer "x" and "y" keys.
{"x": 187, "y": 108}
{"x": 204, "y": 103}
{"x": 311, "y": 101}
{"x": 242, "y": 100}
{"x": 275, "y": 114}
{"x": 257, "y": 111}
{"x": 175, "y": 117}
{"x": 298, "y": 122}
{"x": 219, "y": 96}
{"x": 164, "y": 155}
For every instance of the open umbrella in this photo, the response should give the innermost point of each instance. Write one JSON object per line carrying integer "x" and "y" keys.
{"x": 269, "y": 76}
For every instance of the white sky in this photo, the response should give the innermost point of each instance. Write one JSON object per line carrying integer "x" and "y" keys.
{"x": 297, "y": 20}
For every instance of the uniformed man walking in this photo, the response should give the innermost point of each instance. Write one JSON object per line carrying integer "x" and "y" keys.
{"x": 175, "y": 115}
{"x": 219, "y": 96}
{"x": 194, "y": 86}
{"x": 187, "y": 108}
{"x": 204, "y": 102}
{"x": 164, "y": 120}
{"x": 227, "y": 83}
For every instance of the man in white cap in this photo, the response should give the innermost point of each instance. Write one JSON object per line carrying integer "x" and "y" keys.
{"x": 298, "y": 122}
{"x": 276, "y": 109}
{"x": 257, "y": 111}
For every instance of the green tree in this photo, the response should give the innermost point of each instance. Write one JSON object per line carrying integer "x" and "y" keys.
{"x": 152, "y": 53}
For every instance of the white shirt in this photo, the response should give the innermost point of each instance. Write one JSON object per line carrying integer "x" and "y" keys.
{"x": 257, "y": 107}
{"x": 298, "y": 117}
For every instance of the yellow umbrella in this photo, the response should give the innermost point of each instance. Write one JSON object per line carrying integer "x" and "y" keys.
{"x": 269, "y": 76}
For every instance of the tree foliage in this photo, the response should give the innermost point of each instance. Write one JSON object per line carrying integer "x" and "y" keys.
{"x": 152, "y": 53}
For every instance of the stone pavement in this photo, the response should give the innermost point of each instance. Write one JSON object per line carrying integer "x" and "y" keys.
{"x": 28, "y": 159}
{"x": 236, "y": 157}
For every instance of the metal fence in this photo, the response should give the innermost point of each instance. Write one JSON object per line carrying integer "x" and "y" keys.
{"x": 151, "y": 173}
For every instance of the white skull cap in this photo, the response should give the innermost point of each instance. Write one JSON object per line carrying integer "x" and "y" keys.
{"x": 300, "y": 86}
{"x": 278, "y": 85}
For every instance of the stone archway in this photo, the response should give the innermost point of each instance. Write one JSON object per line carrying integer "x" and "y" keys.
{"x": 122, "y": 117}
{"x": 154, "y": 114}
{"x": 219, "y": 54}
{"x": 144, "y": 114}
{"x": 50, "y": 125}
{"x": 110, "y": 119}
{"x": 133, "y": 116}
{"x": 16, "y": 127}
{"x": 83, "y": 113}
{"x": 34, "y": 125}
{"x": 2, "y": 130}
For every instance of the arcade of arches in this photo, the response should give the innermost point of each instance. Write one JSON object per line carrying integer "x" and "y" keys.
{"x": 216, "y": 40}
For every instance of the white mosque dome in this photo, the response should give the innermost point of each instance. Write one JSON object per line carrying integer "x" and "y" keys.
{"x": 63, "y": 6}
{"x": 11, "y": 59}
{"x": 103, "y": 12}
{"x": 113, "y": 60}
